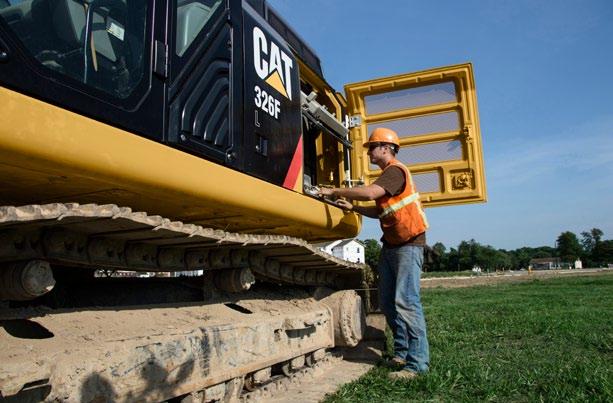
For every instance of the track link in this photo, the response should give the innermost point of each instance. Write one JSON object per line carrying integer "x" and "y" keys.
{"x": 279, "y": 385}
{"x": 108, "y": 236}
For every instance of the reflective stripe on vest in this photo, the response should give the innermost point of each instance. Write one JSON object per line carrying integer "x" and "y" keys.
{"x": 400, "y": 204}
{"x": 401, "y": 217}
{"x": 423, "y": 215}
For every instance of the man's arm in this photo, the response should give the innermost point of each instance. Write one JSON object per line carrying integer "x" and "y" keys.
{"x": 362, "y": 193}
{"x": 370, "y": 211}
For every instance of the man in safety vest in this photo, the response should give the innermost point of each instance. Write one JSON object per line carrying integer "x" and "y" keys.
{"x": 404, "y": 224}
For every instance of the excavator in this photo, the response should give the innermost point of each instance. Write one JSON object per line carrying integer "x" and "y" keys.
{"x": 160, "y": 163}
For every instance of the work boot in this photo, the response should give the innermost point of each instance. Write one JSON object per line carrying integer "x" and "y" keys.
{"x": 402, "y": 375}
{"x": 394, "y": 363}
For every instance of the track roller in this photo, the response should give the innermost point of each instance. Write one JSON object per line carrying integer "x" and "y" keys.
{"x": 26, "y": 280}
{"x": 234, "y": 280}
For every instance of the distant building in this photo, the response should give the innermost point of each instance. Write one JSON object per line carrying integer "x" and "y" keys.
{"x": 545, "y": 263}
{"x": 351, "y": 250}
{"x": 191, "y": 273}
{"x": 578, "y": 264}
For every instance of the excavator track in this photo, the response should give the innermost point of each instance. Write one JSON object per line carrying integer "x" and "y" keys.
{"x": 221, "y": 346}
{"x": 112, "y": 237}
{"x": 278, "y": 386}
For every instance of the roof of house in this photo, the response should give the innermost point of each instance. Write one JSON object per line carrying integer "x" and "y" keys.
{"x": 338, "y": 243}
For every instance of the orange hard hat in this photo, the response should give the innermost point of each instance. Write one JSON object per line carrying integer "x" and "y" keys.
{"x": 383, "y": 135}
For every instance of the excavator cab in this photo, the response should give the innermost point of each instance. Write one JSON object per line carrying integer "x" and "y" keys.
{"x": 98, "y": 43}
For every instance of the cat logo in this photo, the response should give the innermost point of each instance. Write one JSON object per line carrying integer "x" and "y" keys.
{"x": 272, "y": 64}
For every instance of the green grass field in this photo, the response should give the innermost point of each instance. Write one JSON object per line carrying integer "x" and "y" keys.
{"x": 541, "y": 341}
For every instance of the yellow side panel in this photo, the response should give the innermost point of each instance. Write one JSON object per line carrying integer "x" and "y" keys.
{"x": 48, "y": 154}
{"x": 435, "y": 115}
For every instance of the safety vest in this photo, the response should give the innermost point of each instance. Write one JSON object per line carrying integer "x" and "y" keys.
{"x": 401, "y": 216}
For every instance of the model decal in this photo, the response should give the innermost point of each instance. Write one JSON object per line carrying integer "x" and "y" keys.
{"x": 267, "y": 102}
{"x": 272, "y": 64}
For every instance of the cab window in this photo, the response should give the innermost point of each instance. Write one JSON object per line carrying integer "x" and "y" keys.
{"x": 191, "y": 17}
{"x": 99, "y": 43}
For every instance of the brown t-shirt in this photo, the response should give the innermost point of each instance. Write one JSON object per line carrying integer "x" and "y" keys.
{"x": 392, "y": 181}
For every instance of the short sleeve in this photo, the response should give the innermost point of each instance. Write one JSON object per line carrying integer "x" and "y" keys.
{"x": 391, "y": 180}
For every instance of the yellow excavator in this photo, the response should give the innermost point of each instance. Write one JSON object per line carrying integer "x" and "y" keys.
{"x": 191, "y": 137}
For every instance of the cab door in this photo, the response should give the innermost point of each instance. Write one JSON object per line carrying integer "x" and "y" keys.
{"x": 435, "y": 115}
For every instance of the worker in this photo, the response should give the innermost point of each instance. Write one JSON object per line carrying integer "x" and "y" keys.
{"x": 398, "y": 208}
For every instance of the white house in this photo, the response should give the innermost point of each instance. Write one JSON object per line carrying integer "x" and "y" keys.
{"x": 351, "y": 250}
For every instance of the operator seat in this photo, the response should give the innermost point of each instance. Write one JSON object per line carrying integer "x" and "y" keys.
{"x": 108, "y": 56}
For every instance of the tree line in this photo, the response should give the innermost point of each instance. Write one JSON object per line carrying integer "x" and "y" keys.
{"x": 591, "y": 249}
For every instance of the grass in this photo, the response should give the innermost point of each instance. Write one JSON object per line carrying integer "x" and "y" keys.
{"x": 542, "y": 341}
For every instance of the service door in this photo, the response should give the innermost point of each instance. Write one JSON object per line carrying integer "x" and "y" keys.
{"x": 435, "y": 115}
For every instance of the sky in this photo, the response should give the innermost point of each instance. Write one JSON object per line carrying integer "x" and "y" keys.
{"x": 544, "y": 78}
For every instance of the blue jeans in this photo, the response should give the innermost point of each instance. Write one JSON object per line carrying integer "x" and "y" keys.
{"x": 399, "y": 274}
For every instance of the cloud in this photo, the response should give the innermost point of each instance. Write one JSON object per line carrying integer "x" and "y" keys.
{"x": 525, "y": 158}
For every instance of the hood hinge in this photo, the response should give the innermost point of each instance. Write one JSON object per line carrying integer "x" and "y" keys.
{"x": 355, "y": 121}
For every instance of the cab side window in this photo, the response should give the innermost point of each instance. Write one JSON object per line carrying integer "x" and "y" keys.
{"x": 191, "y": 17}
{"x": 100, "y": 43}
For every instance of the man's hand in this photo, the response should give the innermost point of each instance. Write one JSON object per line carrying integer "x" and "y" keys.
{"x": 329, "y": 193}
{"x": 326, "y": 192}
{"x": 344, "y": 204}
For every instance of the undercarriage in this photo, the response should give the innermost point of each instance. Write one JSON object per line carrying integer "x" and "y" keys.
{"x": 79, "y": 324}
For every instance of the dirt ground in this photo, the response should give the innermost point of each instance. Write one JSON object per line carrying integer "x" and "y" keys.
{"x": 484, "y": 279}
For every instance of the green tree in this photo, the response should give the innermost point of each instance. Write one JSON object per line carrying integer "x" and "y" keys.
{"x": 521, "y": 258}
{"x": 604, "y": 251}
{"x": 441, "y": 259}
{"x": 569, "y": 248}
{"x": 503, "y": 260}
{"x": 372, "y": 250}
{"x": 597, "y": 235}
{"x": 472, "y": 253}
{"x": 487, "y": 257}
{"x": 439, "y": 248}
{"x": 591, "y": 241}
{"x": 453, "y": 260}
{"x": 544, "y": 251}
{"x": 465, "y": 259}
